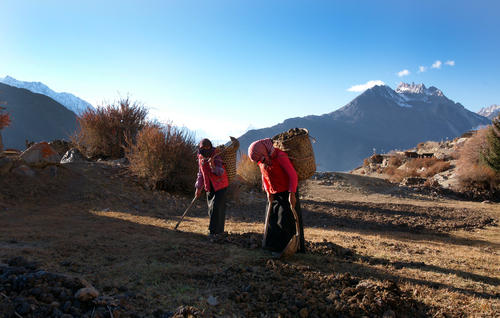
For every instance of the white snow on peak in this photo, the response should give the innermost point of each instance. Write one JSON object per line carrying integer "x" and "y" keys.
{"x": 420, "y": 89}
{"x": 70, "y": 101}
{"x": 399, "y": 99}
{"x": 489, "y": 111}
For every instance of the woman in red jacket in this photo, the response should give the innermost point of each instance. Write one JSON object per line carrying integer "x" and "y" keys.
{"x": 213, "y": 178}
{"x": 279, "y": 179}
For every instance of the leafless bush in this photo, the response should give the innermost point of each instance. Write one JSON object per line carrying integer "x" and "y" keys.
{"x": 103, "y": 131}
{"x": 4, "y": 118}
{"x": 366, "y": 162}
{"x": 397, "y": 175}
{"x": 473, "y": 174}
{"x": 395, "y": 160}
{"x": 418, "y": 167}
{"x": 164, "y": 157}
{"x": 437, "y": 167}
{"x": 249, "y": 171}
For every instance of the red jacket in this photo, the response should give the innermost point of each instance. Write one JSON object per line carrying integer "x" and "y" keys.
{"x": 209, "y": 177}
{"x": 280, "y": 176}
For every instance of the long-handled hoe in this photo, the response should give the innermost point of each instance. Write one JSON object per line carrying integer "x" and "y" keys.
{"x": 184, "y": 214}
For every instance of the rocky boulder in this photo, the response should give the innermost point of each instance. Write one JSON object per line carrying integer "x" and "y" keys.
{"x": 61, "y": 146}
{"x": 73, "y": 155}
{"x": 40, "y": 154}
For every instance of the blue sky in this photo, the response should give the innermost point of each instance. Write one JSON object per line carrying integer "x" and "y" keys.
{"x": 220, "y": 67}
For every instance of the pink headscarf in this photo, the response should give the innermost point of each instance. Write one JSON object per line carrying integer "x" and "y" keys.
{"x": 260, "y": 148}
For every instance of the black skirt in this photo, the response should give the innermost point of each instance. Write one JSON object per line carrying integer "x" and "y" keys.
{"x": 281, "y": 226}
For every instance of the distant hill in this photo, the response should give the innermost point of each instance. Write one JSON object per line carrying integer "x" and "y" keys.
{"x": 35, "y": 117}
{"x": 70, "y": 101}
{"x": 379, "y": 119}
{"x": 490, "y": 111}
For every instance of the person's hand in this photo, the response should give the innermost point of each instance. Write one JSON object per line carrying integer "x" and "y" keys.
{"x": 270, "y": 197}
{"x": 197, "y": 194}
{"x": 292, "y": 199}
{"x": 211, "y": 163}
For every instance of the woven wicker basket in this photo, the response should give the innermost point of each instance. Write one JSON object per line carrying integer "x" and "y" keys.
{"x": 228, "y": 155}
{"x": 299, "y": 150}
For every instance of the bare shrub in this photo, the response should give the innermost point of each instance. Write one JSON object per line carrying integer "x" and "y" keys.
{"x": 427, "y": 167}
{"x": 418, "y": 167}
{"x": 163, "y": 157}
{"x": 419, "y": 163}
{"x": 491, "y": 155}
{"x": 473, "y": 174}
{"x": 437, "y": 167}
{"x": 366, "y": 162}
{"x": 390, "y": 170}
{"x": 103, "y": 131}
{"x": 397, "y": 175}
{"x": 4, "y": 118}
{"x": 395, "y": 160}
{"x": 249, "y": 171}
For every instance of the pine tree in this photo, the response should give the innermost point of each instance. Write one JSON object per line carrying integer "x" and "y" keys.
{"x": 491, "y": 155}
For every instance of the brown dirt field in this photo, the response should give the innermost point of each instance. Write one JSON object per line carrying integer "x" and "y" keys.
{"x": 374, "y": 249}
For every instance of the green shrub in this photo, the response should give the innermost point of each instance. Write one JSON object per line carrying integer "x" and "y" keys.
{"x": 491, "y": 155}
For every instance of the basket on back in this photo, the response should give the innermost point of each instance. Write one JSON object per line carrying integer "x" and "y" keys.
{"x": 228, "y": 155}
{"x": 296, "y": 143}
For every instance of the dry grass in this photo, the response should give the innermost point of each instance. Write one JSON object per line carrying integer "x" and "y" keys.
{"x": 249, "y": 171}
{"x": 103, "y": 132}
{"x": 418, "y": 167}
{"x": 131, "y": 244}
{"x": 396, "y": 160}
{"x": 460, "y": 271}
{"x": 474, "y": 175}
{"x": 164, "y": 158}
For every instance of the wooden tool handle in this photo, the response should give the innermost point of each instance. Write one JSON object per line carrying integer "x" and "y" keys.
{"x": 184, "y": 214}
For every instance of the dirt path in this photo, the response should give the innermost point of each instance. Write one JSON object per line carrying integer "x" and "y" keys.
{"x": 374, "y": 250}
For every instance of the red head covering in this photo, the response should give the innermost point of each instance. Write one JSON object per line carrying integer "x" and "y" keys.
{"x": 260, "y": 148}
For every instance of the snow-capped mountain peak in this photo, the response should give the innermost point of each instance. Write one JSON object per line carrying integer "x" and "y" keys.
{"x": 420, "y": 89}
{"x": 490, "y": 111}
{"x": 70, "y": 101}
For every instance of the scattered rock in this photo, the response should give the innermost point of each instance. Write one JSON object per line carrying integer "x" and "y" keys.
{"x": 31, "y": 292}
{"x": 303, "y": 313}
{"x": 24, "y": 170}
{"x": 73, "y": 155}
{"x": 212, "y": 301}
{"x": 40, "y": 154}
{"x": 86, "y": 294}
{"x": 410, "y": 181}
{"x": 187, "y": 312}
{"x": 61, "y": 146}
{"x": 5, "y": 165}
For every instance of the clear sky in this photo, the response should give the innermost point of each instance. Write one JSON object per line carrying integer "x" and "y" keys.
{"x": 220, "y": 67}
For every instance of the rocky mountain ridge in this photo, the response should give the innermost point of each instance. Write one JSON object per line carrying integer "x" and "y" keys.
{"x": 380, "y": 118}
{"x": 70, "y": 101}
{"x": 34, "y": 117}
{"x": 490, "y": 112}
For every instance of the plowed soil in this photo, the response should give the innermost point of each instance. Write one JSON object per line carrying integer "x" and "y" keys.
{"x": 373, "y": 249}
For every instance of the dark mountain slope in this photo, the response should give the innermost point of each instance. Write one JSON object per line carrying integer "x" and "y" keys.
{"x": 35, "y": 117}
